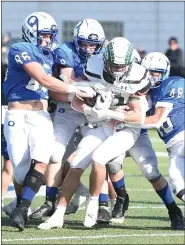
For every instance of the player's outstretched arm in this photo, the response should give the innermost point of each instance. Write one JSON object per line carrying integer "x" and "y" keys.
{"x": 36, "y": 71}
{"x": 67, "y": 74}
{"x": 156, "y": 120}
{"x": 135, "y": 114}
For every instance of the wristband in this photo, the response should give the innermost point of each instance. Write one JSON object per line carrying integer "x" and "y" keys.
{"x": 70, "y": 97}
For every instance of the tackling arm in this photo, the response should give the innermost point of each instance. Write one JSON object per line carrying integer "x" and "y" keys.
{"x": 136, "y": 113}
{"x": 67, "y": 75}
{"x": 154, "y": 121}
{"x": 36, "y": 71}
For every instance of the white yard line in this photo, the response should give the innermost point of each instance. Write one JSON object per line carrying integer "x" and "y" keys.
{"x": 92, "y": 237}
{"x": 160, "y": 206}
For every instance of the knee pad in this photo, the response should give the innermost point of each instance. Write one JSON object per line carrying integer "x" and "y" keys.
{"x": 34, "y": 179}
{"x": 149, "y": 169}
{"x": 113, "y": 167}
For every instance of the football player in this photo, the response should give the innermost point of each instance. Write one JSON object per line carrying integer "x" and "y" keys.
{"x": 143, "y": 154}
{"x": 167, "y": 97}
{"x": 120, "y": 68}
{"x": 167, "y": 115}
{"x": 27, "y": 127}
{"x": 88, "y": 39}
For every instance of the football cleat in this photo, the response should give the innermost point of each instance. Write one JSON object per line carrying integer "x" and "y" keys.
{"x": 120, "y": 207}
{"x": 177, "y": 219}
{"x": 103, "y": 215}
{"x": 19, "y": 217}
{"x": 91, "y": 213}
{"x": 8, "y": 209}
{"x": 46, "y": 210}
{"x": 55, "y": 221}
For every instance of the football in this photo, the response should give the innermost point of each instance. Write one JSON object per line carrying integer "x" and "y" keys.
{"x": 90, "y": 101}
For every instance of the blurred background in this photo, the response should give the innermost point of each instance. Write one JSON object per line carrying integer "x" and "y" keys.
{"x": 150, "y": 26}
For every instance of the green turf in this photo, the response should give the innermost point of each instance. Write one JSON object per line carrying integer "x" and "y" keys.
{"x": 146, "y": 220}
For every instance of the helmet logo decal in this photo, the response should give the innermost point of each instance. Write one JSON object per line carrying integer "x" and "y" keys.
{"x": 128, "y": 55}
{"x": 93, "y": 37}
{"x": 110, "y": 52}
{"x": 33, "y": 21}
{"x": 53, "y": 27}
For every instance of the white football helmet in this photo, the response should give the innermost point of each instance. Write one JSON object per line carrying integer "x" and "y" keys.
{"x": 39, "y": 23}
{"x": 89, "y": 31}
{"x": 118, "y": 53}
{"x": 157, "y": 62}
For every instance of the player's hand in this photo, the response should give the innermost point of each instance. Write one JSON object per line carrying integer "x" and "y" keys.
{"x": 104, "y": 100}
{"x": 85, "y": 92}
{"x": 123, "y": 108}
{"x": 100, "y": 114}
{"x": 91, "y": 119}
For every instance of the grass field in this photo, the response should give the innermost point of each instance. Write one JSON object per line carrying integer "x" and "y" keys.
{"x": 146, "y": 220}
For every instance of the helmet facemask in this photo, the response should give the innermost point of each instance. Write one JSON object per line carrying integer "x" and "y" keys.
{"x": 88, "y": 37}
{"x": 117, "y": 68}
{"x": 92, "y": 41}
{"x": 157, "y": 76}
{"x": 116, "y": 73}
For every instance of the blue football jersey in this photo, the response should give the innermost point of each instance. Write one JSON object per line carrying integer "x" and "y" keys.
{"x": 170, "y": 91}
{"x": 18, "y": 85}
{"x": 67, "y": 56}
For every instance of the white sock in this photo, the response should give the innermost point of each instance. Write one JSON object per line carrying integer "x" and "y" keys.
{"x": 60, "y": 210}
{"x": 94, "y": 198}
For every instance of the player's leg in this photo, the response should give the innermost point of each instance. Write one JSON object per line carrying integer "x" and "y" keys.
{"x": 32, "y": 173}
{"x": 177, "y": 179}
{"x": 104, "y": 211}
{"x": 16, "y": 135}
{"x": 177, "y": 169}
{"x": 118, "y": 181}
{"x": 6, "y": 178}
{"x": 111, "y": 148}
{"x": 7, "y": 170}
{"x": 82, "y": 191}
{"x": 144, "y": 155}
{"x": 112, "y": 194}
{"x": 6, "y": 175}
{"x": 82, "y": 160}
{"x": 64, "y": 128}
